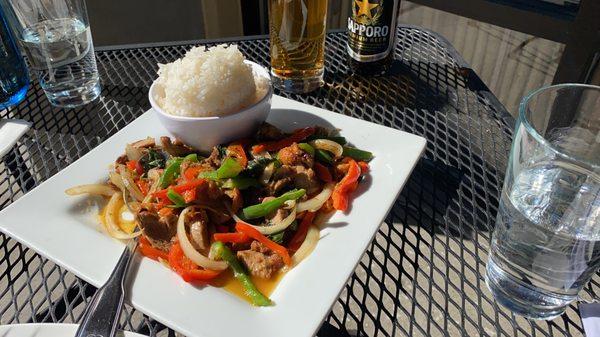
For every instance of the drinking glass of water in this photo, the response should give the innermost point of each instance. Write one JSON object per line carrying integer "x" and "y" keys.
{"x": 546, "y": 244}
{"x": 55, "y": 36}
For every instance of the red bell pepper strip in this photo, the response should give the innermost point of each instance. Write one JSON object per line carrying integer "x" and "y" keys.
{"x": 143, "y": 186}
{"x": 348, "y": 184}
{"x": 188, "y": 271}
{"x": 231, "y": 237}
{"x": 165, "y": 211}
{"x": 300, "y": 234}
{"x": 188, "y": 185}
{"x": 189, "y": 195}
{"x": 135, "y": 166}
{"x": 256, "y": 235}
{"x": 236, "y": 151}
{"x": 276, "y": 145}
{"x": 364, "y": 167}
{"x": 192, "y": 172}
{"x": 150, "y": 252}
{"x": 322, "y": 172}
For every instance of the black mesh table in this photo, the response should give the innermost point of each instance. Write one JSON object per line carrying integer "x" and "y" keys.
{"x": 423, "y": 273}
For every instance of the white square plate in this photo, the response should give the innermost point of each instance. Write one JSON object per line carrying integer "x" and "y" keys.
{"x": 66, "y": 231}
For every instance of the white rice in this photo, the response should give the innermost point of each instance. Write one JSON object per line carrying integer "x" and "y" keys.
{"x": 212, "y": 82}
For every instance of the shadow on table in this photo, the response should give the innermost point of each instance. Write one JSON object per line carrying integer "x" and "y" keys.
{"x": 399, "y": 89}
{"x": 437, "y": 201}
{"x": 116, "y": 107}
{"x": 328, "y": 330}
{"x": 443, "y": 199}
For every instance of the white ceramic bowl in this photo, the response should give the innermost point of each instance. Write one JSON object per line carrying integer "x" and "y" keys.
{"x": 203, "y": 133}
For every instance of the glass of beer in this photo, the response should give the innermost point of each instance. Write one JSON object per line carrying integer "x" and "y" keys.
{"x": 297, "y": 31}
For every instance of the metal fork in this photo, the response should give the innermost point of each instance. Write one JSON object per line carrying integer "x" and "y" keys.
{"x": 102, "y": 314}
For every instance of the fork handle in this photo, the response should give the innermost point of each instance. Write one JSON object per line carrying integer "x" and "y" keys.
{"x": 101, "y": 317}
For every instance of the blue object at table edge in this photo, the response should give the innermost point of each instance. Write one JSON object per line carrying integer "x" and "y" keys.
{"x": 14, "y": 81}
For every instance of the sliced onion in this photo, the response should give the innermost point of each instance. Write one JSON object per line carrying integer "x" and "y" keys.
{"x": 309, "y": 244}
{"x": 313, "y": 205}
{"x": 129, "y": 184}
{"x": 112, "y": 208}
{"x": 328, "y": 145}
{"x": 133, "y": 153}
{"x": 152, "y": 174}
{"x": 237, "y": 218}
{"x": 264, "y": 154}
{"x": 234, "y": 216}
{"x": 322, "y": 217}
{"x": 116, "y": 180}
{"x": 96, "y": 189}
{"x": 189, "y": 250}
{"x": 144, "y": 143}
{"x": 132, "y": 206}
{"x": 267, "y": 173}
{"x": 278, "y": 227}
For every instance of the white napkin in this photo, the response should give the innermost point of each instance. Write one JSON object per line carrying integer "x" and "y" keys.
{"x": 10, "y": 131}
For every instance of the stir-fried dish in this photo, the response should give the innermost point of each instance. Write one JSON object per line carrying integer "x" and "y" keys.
{"x": 248, "y": 209}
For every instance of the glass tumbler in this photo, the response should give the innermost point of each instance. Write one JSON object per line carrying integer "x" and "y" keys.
{"x": 55, "y": 36}
{"x": 297, "y": 34}
{"x": 546, "y": 243}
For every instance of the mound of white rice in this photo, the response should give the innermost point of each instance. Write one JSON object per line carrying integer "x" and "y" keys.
{"x": 212, "y": 82}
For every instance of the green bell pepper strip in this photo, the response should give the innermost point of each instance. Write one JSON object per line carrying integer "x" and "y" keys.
{"x": 323, "y": 156}
{"x": 307, "y": 148}
{"x": 241, "y": 183}
{"x": 208, "y": 175}
{"x": 191, "y": 157}
{"x": 176, "y": 198}
{"x": 221, "y": 252}
{"x": 229, "y": 168}
{"x": 357, "y": 154}
{"x": 260, "y": 210}
{"x": 171, "y": 172}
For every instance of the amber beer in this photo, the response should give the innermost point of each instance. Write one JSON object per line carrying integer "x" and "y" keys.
{"x": 372, "y": 35}
{"x": 297, "y": 31}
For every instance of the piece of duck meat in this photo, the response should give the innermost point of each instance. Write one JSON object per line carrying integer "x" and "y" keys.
{"x": 260, "y": 260}
{"x": 122, "y": 160}
{"x": 197, "y": 221}
{"x": 214, "y": 160}
{"x": 175, "y": 148}
{"x": 268, "y": 132}
{"x": 209, "y": 194}
{"x": 144, "y": 143}
{"x": 306, "y": 178}
{"x": 158, "y": 229}
{"x": 278, "y": 215}
{"x": 293, "y": 155}
{"x": 294, "y": 176}
{"x": 279, "y": 184}
{"x": 237, "y": 200}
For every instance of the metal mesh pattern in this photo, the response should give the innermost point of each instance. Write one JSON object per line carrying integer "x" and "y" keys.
{"x": 423, "y": 273}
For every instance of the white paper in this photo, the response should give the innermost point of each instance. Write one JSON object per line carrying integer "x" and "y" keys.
{"x": 590, "y": 316}
{"x": 10, "y": 131}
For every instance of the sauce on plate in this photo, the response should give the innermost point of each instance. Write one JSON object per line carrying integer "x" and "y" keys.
{"x": 228, "y": 282}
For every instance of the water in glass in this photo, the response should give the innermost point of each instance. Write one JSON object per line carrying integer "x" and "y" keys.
{"x": 62, "y": 54}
